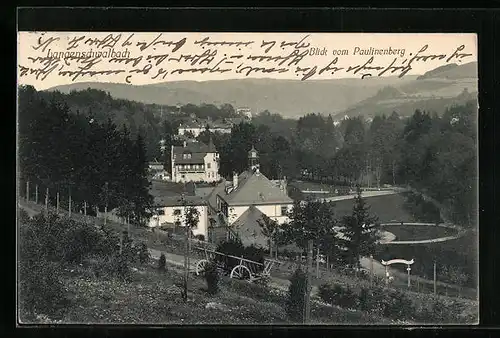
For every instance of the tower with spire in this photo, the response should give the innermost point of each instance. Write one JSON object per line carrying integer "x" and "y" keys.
{"x": 253, "y": 160}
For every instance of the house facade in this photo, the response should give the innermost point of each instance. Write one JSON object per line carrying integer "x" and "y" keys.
{"x": 196, "y": 128}
{"x": 170, "y": 213}
{"x": 251, "y": 195}
{"x": 195, "y": 162}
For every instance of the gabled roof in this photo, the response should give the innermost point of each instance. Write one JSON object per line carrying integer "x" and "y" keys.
{"x": 171, "y": 201}
{"x": 198, "y": 150}
{"x": 248, "y": 228}
{"x": 255, "y": 189}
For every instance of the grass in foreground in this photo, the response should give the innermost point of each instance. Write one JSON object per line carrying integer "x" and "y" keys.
{"x": 153, "y": 297}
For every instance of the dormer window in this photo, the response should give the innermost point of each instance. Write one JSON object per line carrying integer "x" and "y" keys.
{"x": 187, "y": 156}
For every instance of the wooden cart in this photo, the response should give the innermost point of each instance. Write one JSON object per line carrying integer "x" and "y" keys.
{"x": 245, "y": 269}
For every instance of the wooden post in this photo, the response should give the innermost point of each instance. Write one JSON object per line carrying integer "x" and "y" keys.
{"x": 317, "y": 263}
{"x": 36, "y": 194}
{"x": 435, "y": 279}
{"x": 128, "y": 227}
{"x": 57, "y": 203}
{"x": 27, "y": 191}
{"x": 327, "y": 263}
{"x": 121, "y": 243}
{"x": 69, "y": 204}
{"x": 105, "y": 214}
{"x": 307, "y": 296}
{"x": 418, "y": 285}
{"x": 408, "y": 269}
{"x": 386, "y": 276}
{"x": 47, "y": 201}
{"x": 85, "y": 209}
{"x": 371, "y": 270}
{"x": 186, "y": 254}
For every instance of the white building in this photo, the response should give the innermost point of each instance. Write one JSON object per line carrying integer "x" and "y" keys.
{"x": 195, "y": 162}
{"x": 249, "y": 196}
{"x": 247, "y": 112}
{"x": 196, "y": 128}
{"x": 170, "y": 213}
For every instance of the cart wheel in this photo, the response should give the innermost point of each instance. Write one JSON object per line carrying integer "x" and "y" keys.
{"x": 201, "y": 266}
{"x": 241, "y": 272}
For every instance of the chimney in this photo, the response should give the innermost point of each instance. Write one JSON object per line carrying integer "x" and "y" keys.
{"x": 283, "y": 184}
{"x": 235, "y": 180}
{"x": 185, "y": 144}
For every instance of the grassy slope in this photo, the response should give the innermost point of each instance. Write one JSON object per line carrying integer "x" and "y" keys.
{"x": 155, "y": 299}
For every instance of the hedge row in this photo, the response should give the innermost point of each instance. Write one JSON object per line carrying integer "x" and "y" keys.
{"x": 398, "y": 305}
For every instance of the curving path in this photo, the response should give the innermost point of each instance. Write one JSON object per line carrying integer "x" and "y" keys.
{"x": 389, "y": 237}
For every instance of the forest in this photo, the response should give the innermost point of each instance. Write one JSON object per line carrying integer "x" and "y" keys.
{"x": 101, "y": 145}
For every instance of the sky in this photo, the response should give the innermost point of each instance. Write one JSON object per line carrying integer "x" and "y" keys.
{"x": 40, "y": 63}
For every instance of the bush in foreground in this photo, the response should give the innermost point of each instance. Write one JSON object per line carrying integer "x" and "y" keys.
{"x": 296, "y": 293}
{"x": 162, "y": 263}
{"x": 397, "y": 304}
{"x": 212, "y": 277}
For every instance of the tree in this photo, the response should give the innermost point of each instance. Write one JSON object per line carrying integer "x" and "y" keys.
{"x": 269, "y": 229}
{"x": 313, "y": 220}
{"x": 360, "y": 230}
{"x": 296, "y": 296}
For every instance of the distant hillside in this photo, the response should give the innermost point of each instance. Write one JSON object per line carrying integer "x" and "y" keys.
{"x": 452, "y": 71}
{"x": 293, "y": 98}
{"x": 289, "y": 98}
{"x": 436, "y": 90}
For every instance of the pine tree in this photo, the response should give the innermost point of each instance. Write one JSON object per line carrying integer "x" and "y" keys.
{"x": 360, "y": 230}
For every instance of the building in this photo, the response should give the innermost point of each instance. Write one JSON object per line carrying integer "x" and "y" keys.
{"x": 243, "y": 202}
{"x": 195, "y": 162}
{"x": 170, "y": 213}
{"x": 197, "y": 127}
{"x": 156, "y": 166}
{"x": 246, "y": 112}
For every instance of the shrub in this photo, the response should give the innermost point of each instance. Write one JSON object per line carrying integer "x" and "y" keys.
{"x": 162, "y": 262}
{"x": 372, "y": 300}
{"x": 234, "y": 247}
{"x": 212, "y": 277}
{"x": 41, "y": 290}
{"x": 296, "y": 293}
{"x": 114, "y": 266}
{"x": 200, "y": 237}
{"x": 143, "y": 253}
{"x": 338, "y": 295}
{"x": 399, "y": 306}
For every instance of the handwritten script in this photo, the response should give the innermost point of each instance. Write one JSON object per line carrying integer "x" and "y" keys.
{"x": 124, "y": 57}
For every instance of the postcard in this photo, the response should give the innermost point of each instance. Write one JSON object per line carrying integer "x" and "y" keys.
{"x": 170, "y": 178}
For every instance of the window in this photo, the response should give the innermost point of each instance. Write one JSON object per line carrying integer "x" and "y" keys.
{"x": 284, "y": 210}
{"x": 177, "y": 223}
{"x": 208, "y": 165}
{"x": 161, "y": 212}
{"x": 177, "y": 212}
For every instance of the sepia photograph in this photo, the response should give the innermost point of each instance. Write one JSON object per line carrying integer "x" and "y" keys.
{"x": 168, "y": 178}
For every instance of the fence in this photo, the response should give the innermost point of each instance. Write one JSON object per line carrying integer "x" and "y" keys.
{"x": 357, "y": 279}
{"x": 173, "y": 243}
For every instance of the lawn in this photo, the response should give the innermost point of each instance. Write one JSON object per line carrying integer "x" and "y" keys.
{"x": 418, "y": 232}
{"x": 388, "y": 208}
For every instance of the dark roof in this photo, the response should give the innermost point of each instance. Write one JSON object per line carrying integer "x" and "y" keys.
{"x": 169, "y": 189}
{"x": 196, "y": 147}
{"x": 198, "y": 150}
{"x": 170, "y": 201}
{"x": 255, "y": 189}
{"x": 248, "y": 228}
